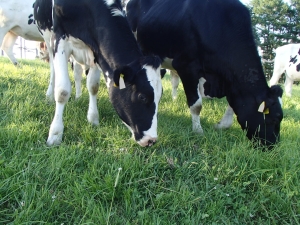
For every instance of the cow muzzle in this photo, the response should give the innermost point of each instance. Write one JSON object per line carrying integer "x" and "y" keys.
{"x": 147, "y": 141}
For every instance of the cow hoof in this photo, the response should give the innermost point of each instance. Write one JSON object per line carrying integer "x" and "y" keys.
{"x": 221, "y": 125}
{"x": 199, "y": 131}
{"x": 93, "y": 118}
{"x": 54, "y": 140}
{"x": 77, "y": 96}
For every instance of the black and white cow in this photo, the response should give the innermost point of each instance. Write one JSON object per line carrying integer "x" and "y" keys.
{"x": 13, "y": 23}
{"x": 287, "y": 60}
{"x": 96, "y": 33}
{"x": 211, "y": 39}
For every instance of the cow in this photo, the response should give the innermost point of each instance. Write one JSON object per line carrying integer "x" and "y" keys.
{"x": 97, "y": 34}
{"x": 43, "y": 51}
{"x": 16, "y": 21}
{"x": 212, "y": 39}
{"x": 13, "y": 23}
{"x": 287, "y": 59}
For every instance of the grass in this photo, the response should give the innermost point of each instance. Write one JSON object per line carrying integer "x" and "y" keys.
{"x": 184, "y": 179}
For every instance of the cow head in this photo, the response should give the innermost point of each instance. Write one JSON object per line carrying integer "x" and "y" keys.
{"x": 135, "y": 95}
{"x": 261, "y": 117}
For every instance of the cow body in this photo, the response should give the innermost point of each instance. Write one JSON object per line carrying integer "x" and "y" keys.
{"x": 287, "y": 59}
{"x": 211, "y": 39}
{"x": 14, "y": 22}
{"x": 96, "y": 33}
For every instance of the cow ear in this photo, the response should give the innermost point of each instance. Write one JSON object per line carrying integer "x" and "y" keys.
{"x": 122, "y": 75}
{"x": 276, "y": 90}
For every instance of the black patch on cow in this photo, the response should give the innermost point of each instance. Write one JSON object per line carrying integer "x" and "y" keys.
{"x": 153, "y": 61}
{"x": 298, "y": 67}
{"x": 293, "y": 59}
{"x": 43, "y": 14}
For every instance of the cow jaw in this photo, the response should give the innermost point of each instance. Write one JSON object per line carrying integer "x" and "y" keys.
{"x": 148, "y": 138}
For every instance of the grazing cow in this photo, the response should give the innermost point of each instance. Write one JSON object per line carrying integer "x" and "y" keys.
{"x": 211, "y": 39}
{"x": 13, "y": 23}
{"x": 287, "y": 60}
{"x": 96, "y": 33}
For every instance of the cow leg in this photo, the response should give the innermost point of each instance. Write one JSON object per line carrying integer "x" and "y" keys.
{"x": 47, "y": 35}
{"x": 62, "y": 93}
{"x": 78, "y": 77}
{"x": 190, "y": 82}
{"x": 227, "y": 119}
{"x": 93, "y": 81}
{"x": 288, "y": 85}
{"x": 7, "y": 46}
{"x": 175, "y": 82}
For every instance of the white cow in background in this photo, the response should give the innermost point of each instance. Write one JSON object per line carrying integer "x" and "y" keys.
{"x": 287, "y": 60}
{"x": 14, "y": 15}
{"x": 16, "y": 19}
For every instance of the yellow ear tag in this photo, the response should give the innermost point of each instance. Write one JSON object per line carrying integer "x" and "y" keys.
{"x": 115, "y": 85}
{"x": 266, "y": 111}
{"x": 261, "y": 107}
{"x": 121, "y": 82}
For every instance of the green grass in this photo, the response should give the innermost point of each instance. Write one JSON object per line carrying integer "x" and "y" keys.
{"x": 183, "y": 179}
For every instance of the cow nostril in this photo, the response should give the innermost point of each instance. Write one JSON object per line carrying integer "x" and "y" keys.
{"x": 151, "y": 142}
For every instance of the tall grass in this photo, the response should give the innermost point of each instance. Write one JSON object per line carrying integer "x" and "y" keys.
{"x": 218, "y": 178}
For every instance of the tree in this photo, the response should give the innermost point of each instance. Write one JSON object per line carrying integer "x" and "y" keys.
{"x": 275, "y": 24}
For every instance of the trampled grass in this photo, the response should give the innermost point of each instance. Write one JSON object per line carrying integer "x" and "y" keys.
{"x": 183, "y": 179}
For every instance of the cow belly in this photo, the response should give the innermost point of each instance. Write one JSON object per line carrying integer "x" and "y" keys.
{"x": 293, "y": 74}
{"x": 81, "y": 52}
{"x": 31, "y": 33}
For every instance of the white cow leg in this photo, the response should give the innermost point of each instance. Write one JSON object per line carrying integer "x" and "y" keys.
{"x": 227, "y": 119}
{"x": 195, "y": 113}
{"x": 47, "y": 35}
{"x": 50, "y": 90}
{"x": 288, "y": 85}
{"x": 62, "y": 94}
{"x": 175, "y": 82}
{"x": 7, "y": 46}
{"x": 78, "y": 77}
{"x": 93, "y": 81}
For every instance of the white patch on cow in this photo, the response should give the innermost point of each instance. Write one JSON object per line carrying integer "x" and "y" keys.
{"x": 109, "y": 2}
{"x": 117, "y": 12}
{"x": 280, "y": 101}
{"x": 108, "y": 80}
{"x": 155, "y": 81}
{"x": 227, "y": 119}
{"x": 195, "y": 112}
{"x": 3, "y": 18}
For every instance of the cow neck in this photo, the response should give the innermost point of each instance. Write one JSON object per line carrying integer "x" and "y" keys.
{"x": 119, "y": 47}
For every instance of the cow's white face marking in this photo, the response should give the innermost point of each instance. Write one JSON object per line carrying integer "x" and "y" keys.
{"x": 155, "y": 81}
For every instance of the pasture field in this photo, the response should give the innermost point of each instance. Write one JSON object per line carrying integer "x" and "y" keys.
{"x": 99, "y": 175}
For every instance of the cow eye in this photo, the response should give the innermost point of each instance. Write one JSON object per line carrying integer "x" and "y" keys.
{"x": 142, "y": 98}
